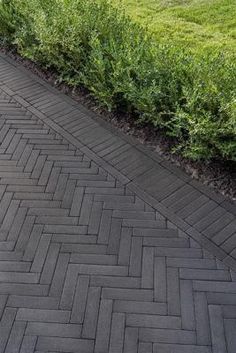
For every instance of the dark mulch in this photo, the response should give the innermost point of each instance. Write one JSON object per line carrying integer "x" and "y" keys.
{"x": 217, "y": 174}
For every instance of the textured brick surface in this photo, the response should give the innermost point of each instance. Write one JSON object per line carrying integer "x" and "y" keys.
{"x": 89, "y": 261}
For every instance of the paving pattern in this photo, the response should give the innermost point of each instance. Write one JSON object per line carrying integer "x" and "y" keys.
{"x": 87, "y": 263}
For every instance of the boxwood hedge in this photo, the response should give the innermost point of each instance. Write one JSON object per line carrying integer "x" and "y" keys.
{"x": 91, "y": 43}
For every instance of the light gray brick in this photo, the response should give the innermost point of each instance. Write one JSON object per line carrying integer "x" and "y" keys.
{"x": 60, "y": 187}
{"x": 104, "y": 326}
{"x": 95, "y": 259}
{"x": 65, "y": 229}
{"x": 114, "y": 238}
{"x": 145, "y": 347}
{"x": 3, "y": 300}
{"x": 127, "y": 294}
{"x": 70, "y": 345}
{"x": 53, "y": 329}
{"x": 52, "y": 180}
{"x": 91, "y": 313}
{"x": 169, "y": 242}
{"x": 131, "y": 340}
{"x": 21, "y": 289}
{"x": 155, "y": 233}
{"x": 32, "y": 302}
{"x": 229, "y": 311}
{"x": 5, "y": 326}
{"x": 68, "y": 239}
{"x": 77, "y": 202}
{"x": 217, "y": 329}
{"x": 80, "y": 299}
{"x": 117, "y": 333}
{"x": 125, "y": 245}
{"x": 115, "y": 282}
{"x": 46, "y": 211}
{"x": 32, "y": 196}
{"x": 69, "y": 286}
{"x": 135, "y": 257}
{"x": 214, "y": 286}
{"x": 173, "y": 291}
{"x": 178, "y": 252}
{"x": 180, "y": 348}
{"x": 95, "y": 218}
{"x": 105, "y": 226}
{"x": 84, "y": 248}
{"x": 41, "y": 253}
{"x": 19, "y": 277}
{"x": 204, "y": 274}
{"x": 144, "y": 224}
{"x": 40, "y": 203}
{"x": 160, "y": 281}
{"x": 202, "y": 319}
{"x": 85, "y": 210}
{"x": 134, "y": 215}
{"x": 10, "y": 255}
{"x": 167, "y": 336}
{"x": 16, "y": 337}
{"x": 153, "y": 321}
{"x": 147, "y": 268}
{"x": 50, "y": 263}
{"x": 108, "y": 270}
{"x": 68, "y": 195}
{"x": 59, "y": 275}
{"x": 187, "y": 305}
{"x": 45, "y": 173}
{"x": 55, "y": 220}
{"x": 43, "y": 315}
{"x": 10, "y": 215}
{"x": 230, "y": 327}
{"x": 28, "y": 344}
{"x": 33, "y": 242}
{"x": 25, "y": 233}
{"x": 127, "y": 306}
{"x": 190, "y": 263}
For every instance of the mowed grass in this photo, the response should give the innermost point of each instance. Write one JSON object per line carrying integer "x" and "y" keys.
{"x": 195, "y": 24}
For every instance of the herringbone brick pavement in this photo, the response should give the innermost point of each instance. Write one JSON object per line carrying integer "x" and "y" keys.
{"x": 87, "y": 266}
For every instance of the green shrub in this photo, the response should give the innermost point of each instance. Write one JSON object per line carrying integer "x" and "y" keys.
{"x": 10, "y": 20}
{"x": 91, "y": 43}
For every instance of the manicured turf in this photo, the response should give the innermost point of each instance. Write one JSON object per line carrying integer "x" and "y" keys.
{"x": 193, "y": 23}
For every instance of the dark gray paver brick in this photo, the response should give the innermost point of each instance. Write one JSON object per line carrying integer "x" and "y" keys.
{"x": 126, "y": 306}
{"x": 202, "y": 319}
{"x": 92, "y": 262}
{"x": 53, "y": 329}
{"x": 117, "y": 333}
{"x": 104, "y": 326}
{"x": 59, "y": 344}
{"x": 16, "y": 337}
{"x": 42, "y": 315}
{"x": 31, "y": 302}
{"x": 217, "y": 329}
{"x": 167, "y": 336}
{"x": 230, "y": 326}
{"x": 80, "y": 299}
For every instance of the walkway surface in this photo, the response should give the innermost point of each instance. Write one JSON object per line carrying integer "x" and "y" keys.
{"x": 104, "y": 247}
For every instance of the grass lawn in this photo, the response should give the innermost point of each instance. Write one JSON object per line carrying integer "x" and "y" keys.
{"x": 195, "y": 24}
